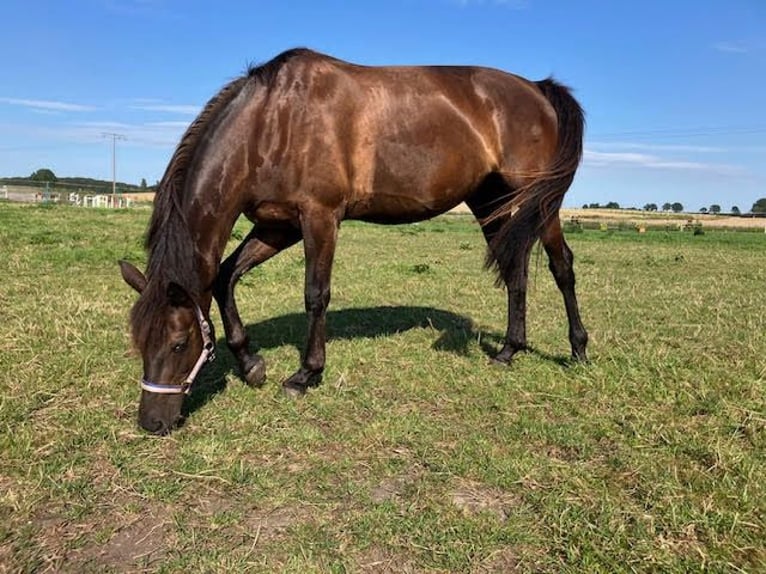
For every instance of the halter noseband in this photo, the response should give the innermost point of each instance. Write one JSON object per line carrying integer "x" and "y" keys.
{"x": 206, "y": 356}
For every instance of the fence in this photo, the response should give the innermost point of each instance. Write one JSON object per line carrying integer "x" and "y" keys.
{"x": 109, "y": 201}
{"x": 32, "y": 194}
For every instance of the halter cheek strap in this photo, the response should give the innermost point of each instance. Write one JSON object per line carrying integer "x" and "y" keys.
{"x": 206, "y": 356}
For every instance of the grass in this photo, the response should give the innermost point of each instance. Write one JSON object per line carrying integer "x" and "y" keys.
{"x": 416, "y": 454}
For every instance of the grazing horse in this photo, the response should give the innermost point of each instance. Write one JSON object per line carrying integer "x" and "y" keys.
{"x": 305, "y": 141}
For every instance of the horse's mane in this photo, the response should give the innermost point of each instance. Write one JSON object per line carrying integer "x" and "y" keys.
{"x": 169, "y": 241}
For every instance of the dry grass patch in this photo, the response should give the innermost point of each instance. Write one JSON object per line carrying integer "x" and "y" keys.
{"x": 474, "y": 498}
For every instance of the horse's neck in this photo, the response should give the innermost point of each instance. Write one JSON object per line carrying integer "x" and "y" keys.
{"x": 209, "y": 232}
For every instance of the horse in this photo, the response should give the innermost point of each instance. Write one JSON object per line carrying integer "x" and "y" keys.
{"x": 305, "y": 141}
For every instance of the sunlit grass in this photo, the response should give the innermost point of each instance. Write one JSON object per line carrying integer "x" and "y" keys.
{"x": 415, "y": 454}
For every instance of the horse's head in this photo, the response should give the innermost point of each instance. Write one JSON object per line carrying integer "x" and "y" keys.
{"x": 175, "y": 341}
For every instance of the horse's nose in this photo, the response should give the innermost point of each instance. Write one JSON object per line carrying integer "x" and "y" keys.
{"x": 155, "y": 426}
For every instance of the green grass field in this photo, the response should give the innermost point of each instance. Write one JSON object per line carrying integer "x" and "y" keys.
{"x": 416, "y": 454}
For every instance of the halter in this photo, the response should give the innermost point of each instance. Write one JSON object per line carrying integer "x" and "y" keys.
{"x": 206, "y": 356}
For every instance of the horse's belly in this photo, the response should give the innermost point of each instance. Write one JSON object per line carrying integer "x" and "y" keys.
{"x": 393, "y": 208}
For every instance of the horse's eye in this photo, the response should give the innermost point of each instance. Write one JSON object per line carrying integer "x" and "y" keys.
{"x": 179, "y": 347}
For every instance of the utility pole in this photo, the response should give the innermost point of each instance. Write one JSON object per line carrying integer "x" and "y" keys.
{"x": 114, "y": 137}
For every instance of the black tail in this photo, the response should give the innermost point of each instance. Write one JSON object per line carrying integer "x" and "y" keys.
{"x": 532, "y": 205}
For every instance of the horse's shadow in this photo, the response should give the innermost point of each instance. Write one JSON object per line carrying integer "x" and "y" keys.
{"x": 456, "y": 331}
{"x": 455, "y": 335}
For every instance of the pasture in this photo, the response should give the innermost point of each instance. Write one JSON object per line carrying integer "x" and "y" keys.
{"x": 415, "y": 454}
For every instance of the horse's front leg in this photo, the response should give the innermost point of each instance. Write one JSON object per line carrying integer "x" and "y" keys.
{"x": 260, "y": 244}
{"x": 320, "y": 234}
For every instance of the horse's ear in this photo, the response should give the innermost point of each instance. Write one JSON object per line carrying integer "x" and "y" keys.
{"x": 178, "y": 296}
{"x": 133, "y": 276}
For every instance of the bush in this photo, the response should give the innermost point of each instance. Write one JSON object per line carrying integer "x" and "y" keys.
{"x": 573, "y": 226}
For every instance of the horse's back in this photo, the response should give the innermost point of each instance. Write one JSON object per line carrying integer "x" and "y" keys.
{"x": 395, "y": 144}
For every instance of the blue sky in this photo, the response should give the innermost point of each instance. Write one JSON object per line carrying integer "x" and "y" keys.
{"x": 674, "y": 90}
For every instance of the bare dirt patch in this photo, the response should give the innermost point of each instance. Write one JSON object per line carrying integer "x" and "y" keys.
{"x": 264, "y": 524}
{"x": 253, "y": 522}
{"x": 138, "y": 544}
{"x": 392, "y": 489}
{"x": 138, "y": 540}
{"x": 513, "y": 559}
{"x": 503, "y": 560}
{"x": 379, "y": 561}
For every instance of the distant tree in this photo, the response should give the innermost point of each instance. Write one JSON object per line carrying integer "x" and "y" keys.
{"x": 650, "y": 207}
{"x": 677, "y": 207}
{"x": 715, "y": 208}
{"x": 759, "y": 206}
{"x": 735, "y": 210}
{"x": 594, "y": 205}
{"x": 703, "y": 209}
{"x": 666, "y": 206}
{"x": 143, "y": 184}
{"x": 44, "y": 175}
{"x": 612, "y": 205}
{"x": 585, "y": 206}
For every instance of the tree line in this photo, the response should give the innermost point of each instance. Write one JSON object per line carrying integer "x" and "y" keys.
{"x": 758, "y": 207}
{"x": 45, "y": 176}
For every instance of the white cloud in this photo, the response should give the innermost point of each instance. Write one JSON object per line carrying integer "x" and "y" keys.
{"x": 47, "y": 105}
{"x": 160, "y": 134}
{"x": 174, "y": 125}
{"x": 189, "y": 110}
{"x": 513, "y": 4}
{"x": 731, "y": 47}
{"x": 153, "y": 135}
{"x": 649, "y": 161}
{"x": 658, "y": 147}
{"x": 135, "y": 7}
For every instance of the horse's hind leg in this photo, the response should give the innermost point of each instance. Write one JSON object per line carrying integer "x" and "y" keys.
{"x": 259, "y": 245}
{"x": 515, "y": 276}
{"x": 560, "y": 263}
{"x": 516, "y": 281}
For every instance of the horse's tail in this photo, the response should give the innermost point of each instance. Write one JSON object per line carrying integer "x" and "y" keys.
{"x": 532, "y": 205}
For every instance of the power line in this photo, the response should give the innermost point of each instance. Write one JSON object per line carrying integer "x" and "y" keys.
{"x": 114, "y": 137}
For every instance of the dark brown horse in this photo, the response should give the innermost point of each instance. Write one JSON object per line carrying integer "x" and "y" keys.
{"x": 305, "y": 141}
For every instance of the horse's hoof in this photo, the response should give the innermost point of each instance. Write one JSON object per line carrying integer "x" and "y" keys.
{"x": 297, "y": 385}
{"x": 505, "y": 356}
{"x": 293, "y": 391}
{"x": 580, "y": 357}
{"x": 255, "y": 375}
